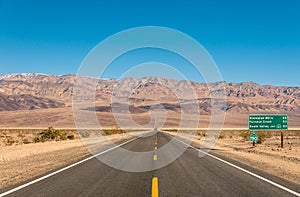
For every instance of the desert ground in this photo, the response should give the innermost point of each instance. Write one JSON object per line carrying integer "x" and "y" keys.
{"x": 63, "y": 118}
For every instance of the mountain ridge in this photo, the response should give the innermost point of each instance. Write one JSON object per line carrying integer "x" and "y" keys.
{"x": 52, "y": 90}
{"x": 28, "y": 75}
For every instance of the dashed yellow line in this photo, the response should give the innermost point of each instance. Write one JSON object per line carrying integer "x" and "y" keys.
{"x": 155, "y": 148}
{"x": 154, "y": 187}
{"x": 155, "y": 157}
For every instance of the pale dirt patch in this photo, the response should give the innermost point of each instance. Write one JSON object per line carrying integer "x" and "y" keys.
{"x": 18, "y": 163}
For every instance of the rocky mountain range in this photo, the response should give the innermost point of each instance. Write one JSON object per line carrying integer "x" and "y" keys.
{"x": 38, "y": 91}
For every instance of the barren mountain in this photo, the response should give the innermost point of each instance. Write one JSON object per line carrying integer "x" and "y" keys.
{"x": 37, "y": 91}
{"x": 26, "y": 102}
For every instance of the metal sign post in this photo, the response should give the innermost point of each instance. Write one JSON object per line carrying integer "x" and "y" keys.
{"x": 281, "y": 139}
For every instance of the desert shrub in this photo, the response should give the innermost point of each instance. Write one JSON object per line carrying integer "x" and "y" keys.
{"x": 36, "y": 139}
{"x": 222, "y": 135}
{"x": 204, "y": 134}
{"x": 63, "y": 136}
{"x": 261, "y": 136}
{"x": 84, "y": 134}
{"x": 51, "y": 134}
{"x": 245, "y": 135}
{"x": 269, "y": 134}
{"x": 10, "y": 141}
{"x": 25, "y": 141}
{"x": 112, "y": 131}
{"x": 170, "y": 130}
{"x": 71, "y": 137}
{"x": 20, "y": 134}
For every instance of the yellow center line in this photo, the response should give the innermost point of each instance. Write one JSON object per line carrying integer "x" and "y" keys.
{"x": 154, "y": 187}
{"x": 155, "y": 157}
{"x": 155, "y": 148}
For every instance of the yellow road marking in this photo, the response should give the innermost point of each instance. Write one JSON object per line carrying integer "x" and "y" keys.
{"x": 155, "y": 157}
{"x": 155, "y": 148}
{"x": 155, "y": 187}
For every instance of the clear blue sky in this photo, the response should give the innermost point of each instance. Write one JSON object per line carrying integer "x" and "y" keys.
{"x": 249, "y": 40}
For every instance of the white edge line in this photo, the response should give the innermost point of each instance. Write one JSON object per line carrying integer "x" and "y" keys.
{"x": 63, "y": 169}
{"x": 244, "y": 170}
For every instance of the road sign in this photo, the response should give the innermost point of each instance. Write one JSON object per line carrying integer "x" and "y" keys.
{"x": 253, "y": 137}
{"x": 267, "y": 122}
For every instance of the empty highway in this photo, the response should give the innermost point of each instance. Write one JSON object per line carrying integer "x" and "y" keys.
{"x": 189, "y": 175}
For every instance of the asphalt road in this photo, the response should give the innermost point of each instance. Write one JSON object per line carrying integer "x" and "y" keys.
{"x": 189, "y": 175}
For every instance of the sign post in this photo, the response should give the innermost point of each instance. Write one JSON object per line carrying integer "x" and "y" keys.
{"x": 268, "y": 122}
{"x": 281, "y": 139}
{"x": 253, "y": 137}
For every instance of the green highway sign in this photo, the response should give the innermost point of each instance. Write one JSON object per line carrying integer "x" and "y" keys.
{"x": 267, "y": 122}
{"x": 253, "y": 137}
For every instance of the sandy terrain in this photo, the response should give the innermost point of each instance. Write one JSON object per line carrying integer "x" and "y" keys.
{"x": 63, "y": 118}
{"x": 18, "y": 162}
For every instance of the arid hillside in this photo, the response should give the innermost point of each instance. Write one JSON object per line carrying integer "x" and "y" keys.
{"x": 37, "y": 100}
